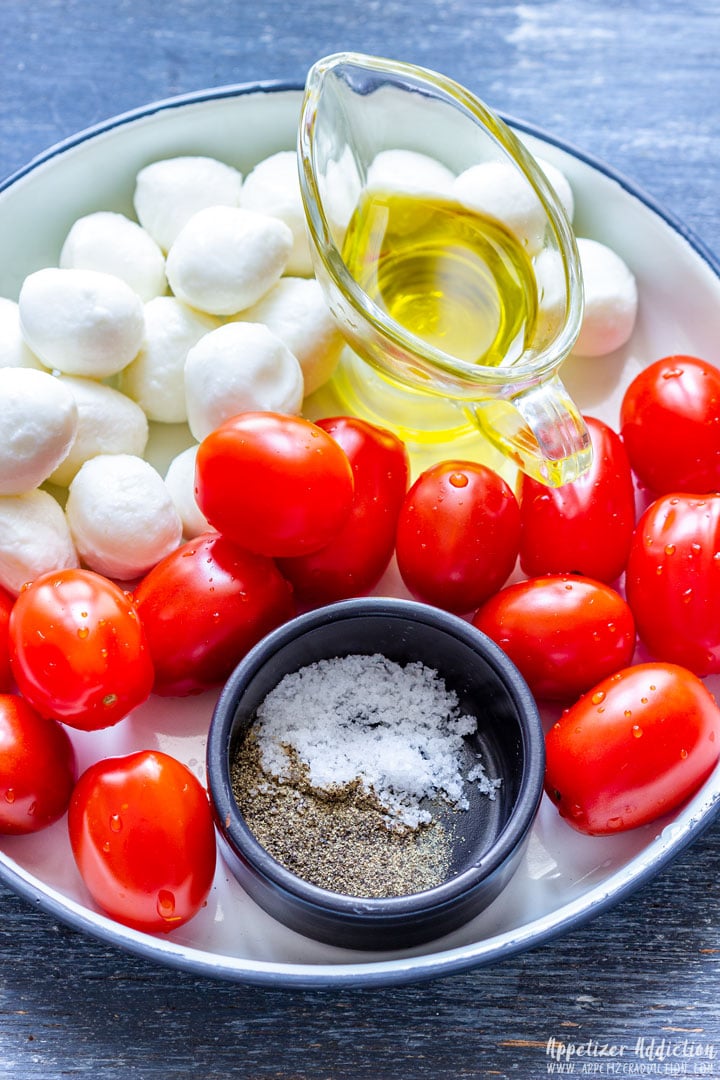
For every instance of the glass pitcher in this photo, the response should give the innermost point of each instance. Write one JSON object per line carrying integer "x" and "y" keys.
{"x": 445, "y": 300}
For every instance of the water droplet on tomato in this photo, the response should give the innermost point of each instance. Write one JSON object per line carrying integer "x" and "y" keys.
{"x": 637, "y": 731}
{"x": 458, "y": 479}
{"x": 687, "y": 596}
{"x": 115, "y": 822}
{"x": 683, "y": 754}
{"x": 643, "y": 701}
{"x": 628, "y": 712}
{"x": 106, "y": 847}
{"x": 612, "y": 627}
{"x": 10, "y": 795}
{"x": 166, "y": 906}
{"x": 109, "y": 700}
{"x": 695, "y": 548}
{"x": 615, "y": 823}
{"x": 576, "y": 811}
{"x": 673, "y": 373}
{"x": 82, "y": 632}
{"x": 669, "y": 549}
{"x": 598, "y": 697}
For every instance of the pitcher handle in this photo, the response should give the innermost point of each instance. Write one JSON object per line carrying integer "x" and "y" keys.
{"x": 541, "y": 429}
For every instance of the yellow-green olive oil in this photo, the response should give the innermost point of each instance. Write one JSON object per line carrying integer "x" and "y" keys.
{"x": 460, "y": 281}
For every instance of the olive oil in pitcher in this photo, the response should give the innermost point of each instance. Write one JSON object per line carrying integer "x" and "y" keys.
{"x": 460, "y": 282}
{"x": 456, "y": 279}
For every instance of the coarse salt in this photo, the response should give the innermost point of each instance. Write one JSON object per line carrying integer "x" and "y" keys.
{"x": 396, "y": 731}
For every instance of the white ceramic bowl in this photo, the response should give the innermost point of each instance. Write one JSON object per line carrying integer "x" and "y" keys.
{"x": 564, "y": 877}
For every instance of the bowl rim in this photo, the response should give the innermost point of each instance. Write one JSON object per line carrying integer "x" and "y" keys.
{"x": 243, "y": 842}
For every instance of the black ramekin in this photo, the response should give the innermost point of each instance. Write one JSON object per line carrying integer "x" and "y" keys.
{"x": 509, "y": 737}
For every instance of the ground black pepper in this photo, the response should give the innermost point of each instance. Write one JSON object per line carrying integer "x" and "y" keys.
{"x": 340, "y": 840}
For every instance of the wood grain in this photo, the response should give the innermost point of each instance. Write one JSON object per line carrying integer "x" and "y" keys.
{"x": 650, "y": 968}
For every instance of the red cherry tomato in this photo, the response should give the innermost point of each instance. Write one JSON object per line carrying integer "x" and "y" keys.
{"x": 278, "y": 485}
{"x": 355, "y": 560}
{"x": 457, "y": 537}
{"x": 142, "y": 835}
{"x": 6, "y": 605}
{"x": 77, "y": 649}
{"x": 633, "y": 748}
{"x": 670, "y": 423}
{"x": 673, "y": 580}
{"x": 37, "y": 768}
{"x": 203, "y": 606}
{"x": 584, "y": 527}
{"x": 564, "y": 633}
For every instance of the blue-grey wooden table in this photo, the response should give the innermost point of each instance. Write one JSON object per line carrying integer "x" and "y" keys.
{"x": 635, "y": 83}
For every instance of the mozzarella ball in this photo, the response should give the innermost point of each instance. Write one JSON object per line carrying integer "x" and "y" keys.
{"x": 121, "y": 516}
{"x": 34, "y": 539}
{"x": 240, "y": 367}
{"x": 499, "y": 190}
{"x": 81, "y": 322}
{"x": 410, "y": 171}
{"x": 114, "y": 244}
{"x": 180, "y": 482}
{"x": 341, "y": 191}
{"x": 611, "y": 300}
{"x": 108, "y": 423}
{"x": 296, "y": 312}
{"x": 273, "y": 188}
{"x": 155, "y": 379}
{"x": 38, "y": 422}
{"x": 13, "y": 350}
{"x": 226, "y": 258}
{"x": 552, "y": 294}
{"x": 560, "y": 185}
{"x": 169, "y": 192}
